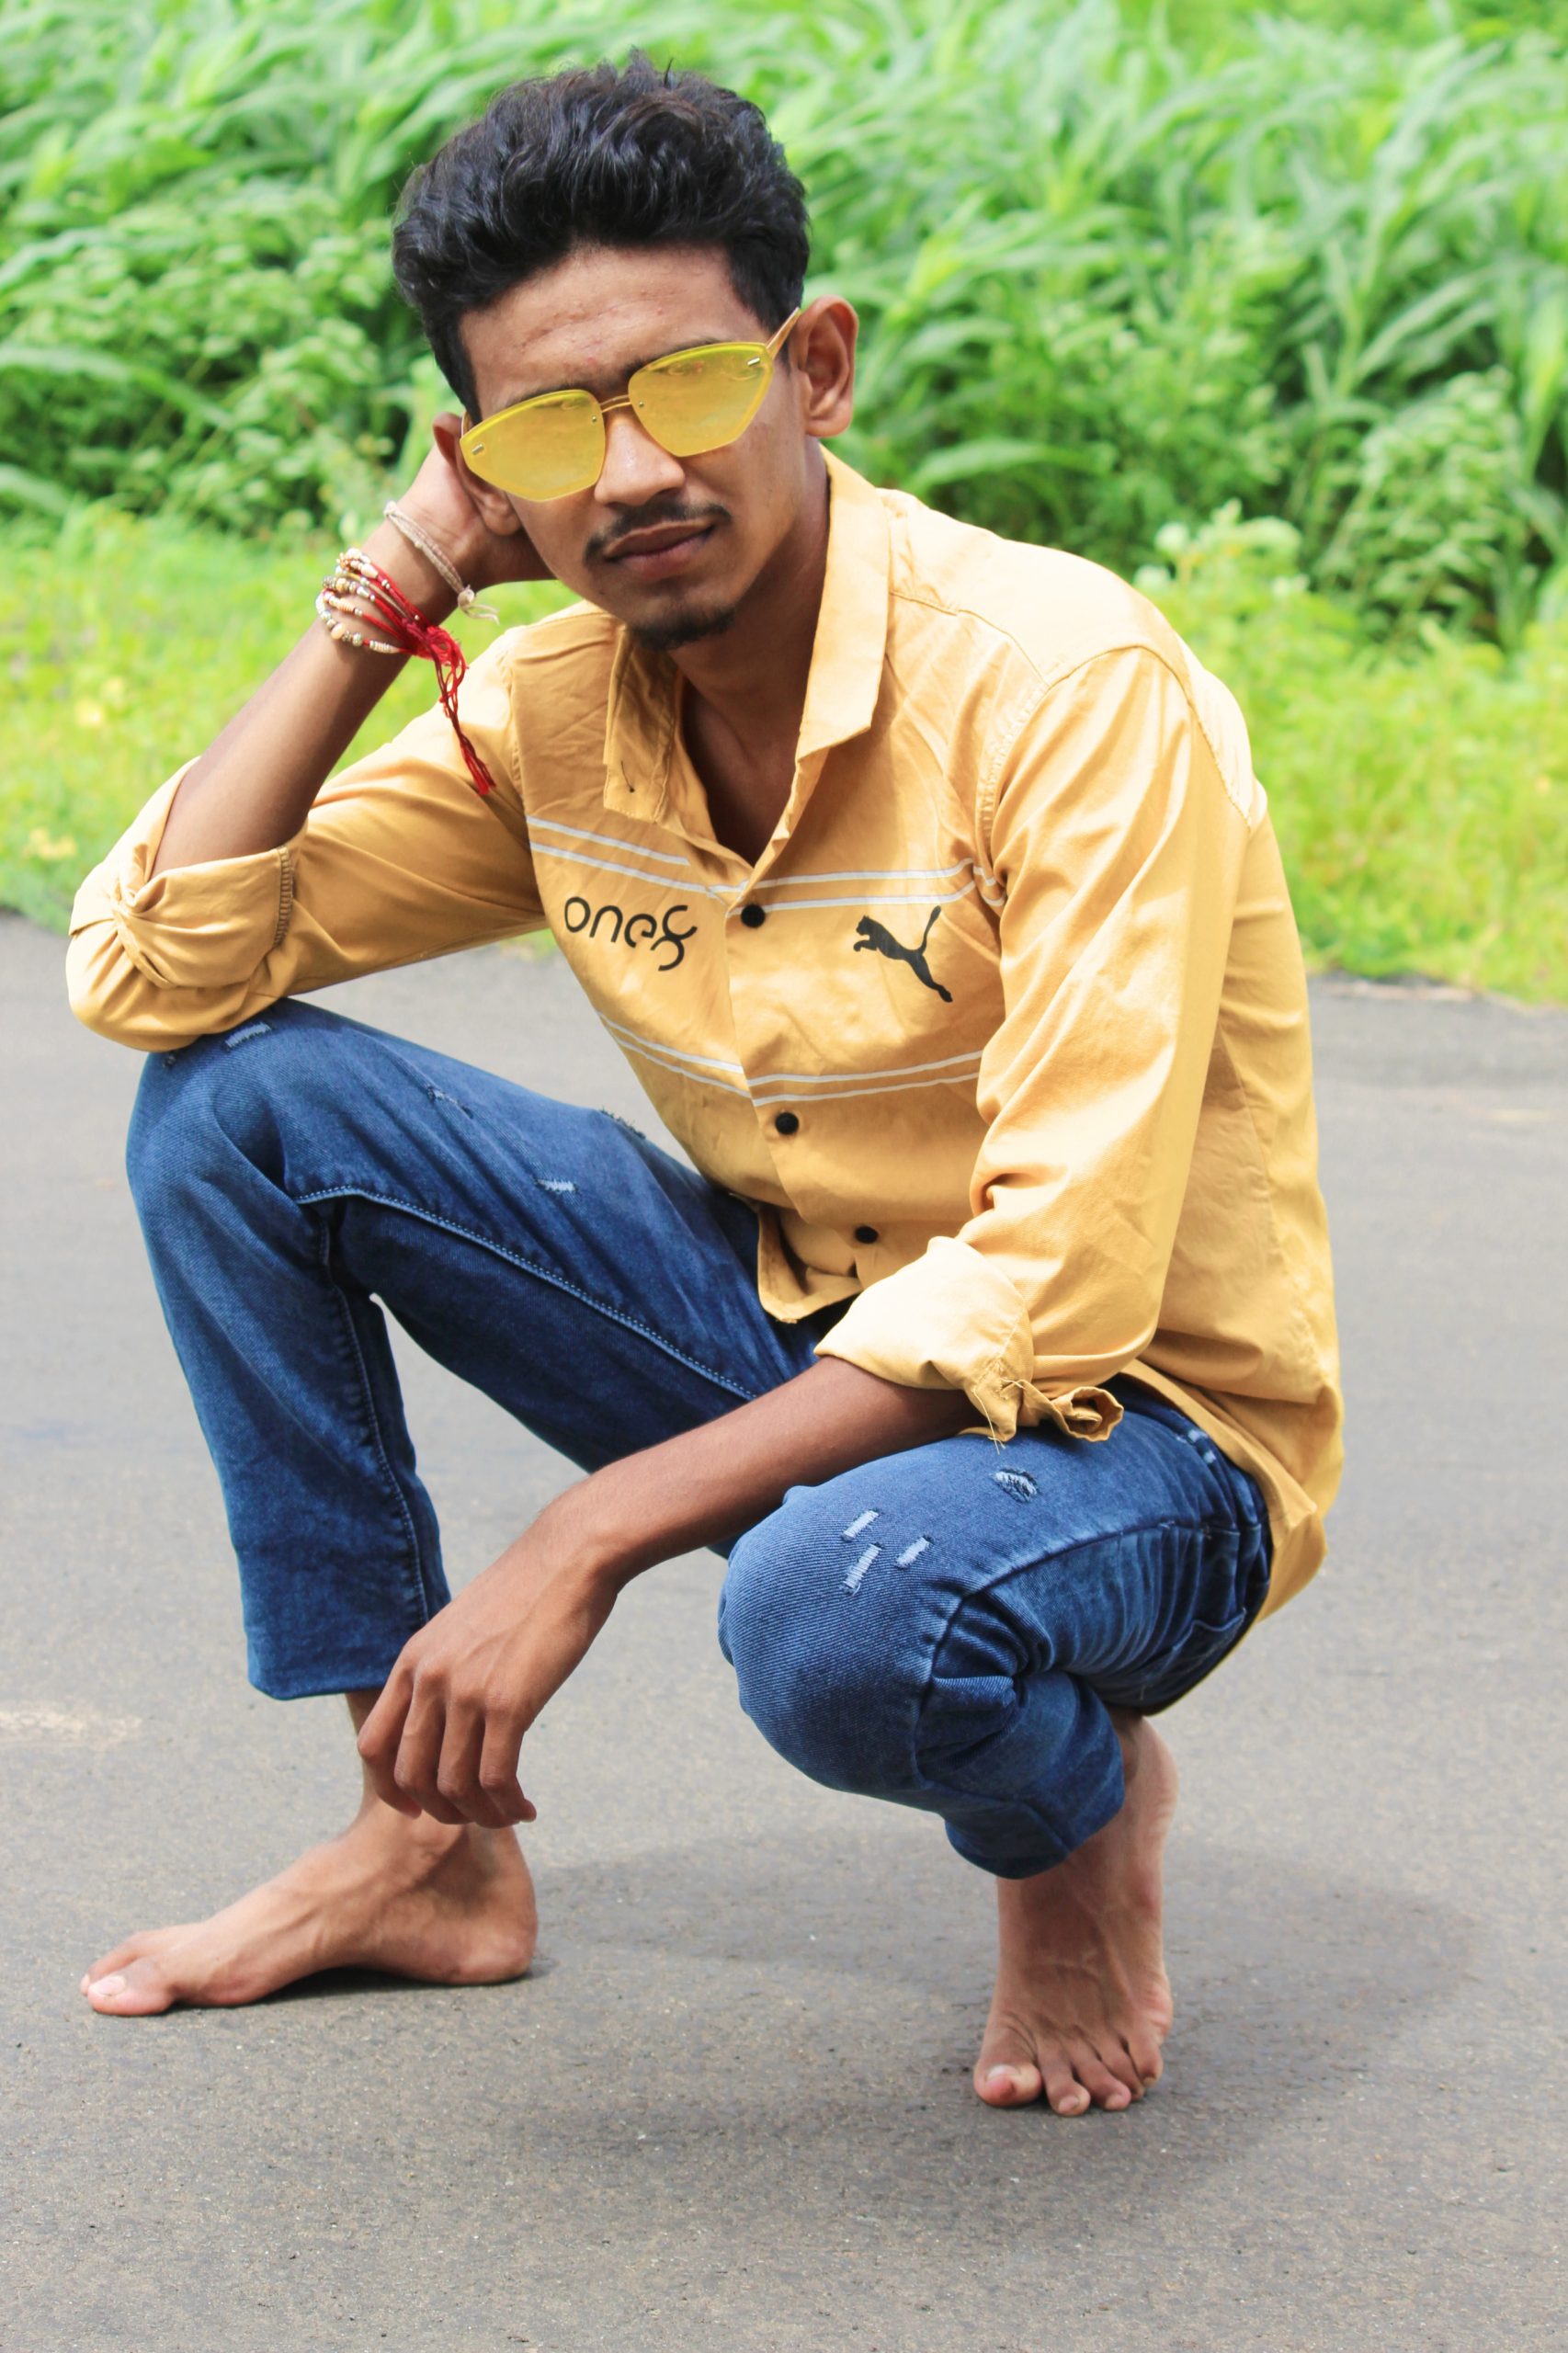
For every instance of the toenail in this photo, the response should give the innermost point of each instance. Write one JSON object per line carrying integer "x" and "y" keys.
{"x": 115, "y": 1984}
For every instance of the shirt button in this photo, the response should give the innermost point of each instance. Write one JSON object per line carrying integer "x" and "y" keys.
{"x": 787, "y": 1122}
{"x": 753, "y": 917}
{"x": 866, "y": 1234}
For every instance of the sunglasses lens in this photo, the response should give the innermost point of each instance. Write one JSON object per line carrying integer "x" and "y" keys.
{"x": 701, "y": 400}
{"x": 543, "y": 448}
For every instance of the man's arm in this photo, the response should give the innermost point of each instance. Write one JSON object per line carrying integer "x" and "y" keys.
{"x": 251, "y": 875}
{"x": 445, "y": 1734}
{"x": 1118, "y": 841}
{"x": 252, "y": 789}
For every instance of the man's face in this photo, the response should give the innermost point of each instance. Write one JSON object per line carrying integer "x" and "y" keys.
{"x": 670, "y": 546}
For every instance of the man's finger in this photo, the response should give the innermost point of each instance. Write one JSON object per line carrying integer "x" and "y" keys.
{"x": 457, "y": 1774}
{"x": 419, "y": 1756}
{"x": 498, "y": 1769}
{"x": 379, "y": 1735}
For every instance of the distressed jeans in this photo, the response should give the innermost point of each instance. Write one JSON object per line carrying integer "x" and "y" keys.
{"x": 948, "y": 1628}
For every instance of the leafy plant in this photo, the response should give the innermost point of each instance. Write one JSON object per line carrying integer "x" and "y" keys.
{"x": 128, "y": 644}
{"x": 1280, "y": 298}
{"x": 1437, "y": 523}
{"x": 1117, "y": 262}
{"x": 1421, "y": 796}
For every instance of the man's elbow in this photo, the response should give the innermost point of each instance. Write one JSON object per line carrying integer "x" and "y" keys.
{"x": 109, "y": 997}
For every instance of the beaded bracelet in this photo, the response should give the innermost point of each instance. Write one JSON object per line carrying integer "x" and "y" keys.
{"x": 359, "y": 590}
{"x": 441, "y": 562}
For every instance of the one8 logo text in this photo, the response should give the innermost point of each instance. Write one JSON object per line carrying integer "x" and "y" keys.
{"x": 634, "y": 931}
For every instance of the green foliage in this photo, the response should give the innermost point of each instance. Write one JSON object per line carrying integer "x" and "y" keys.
{"x": 1117, "y": 262}
{"x": 1422, "y": 801}
{"x": 1216, "y": 25}
{"x": 128, "y": 644}
{"x": 1279, "y": 293}
{"x": 1421, "y": 797}
{"x": 1435, "y": 522}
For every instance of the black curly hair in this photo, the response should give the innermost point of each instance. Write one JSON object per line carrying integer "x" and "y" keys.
{"x": 598, "y": 155}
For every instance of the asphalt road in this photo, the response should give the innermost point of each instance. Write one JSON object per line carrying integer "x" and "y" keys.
{"x": 730, "y": 2110}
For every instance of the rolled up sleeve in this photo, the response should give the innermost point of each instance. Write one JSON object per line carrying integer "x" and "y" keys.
{"x": 399, "y": 859}
{"x": 1116, "y": 840}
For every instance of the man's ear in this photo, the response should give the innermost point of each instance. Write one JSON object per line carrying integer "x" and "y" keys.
{"x": 821, "y": 355}
{"x": 494, "y": 508}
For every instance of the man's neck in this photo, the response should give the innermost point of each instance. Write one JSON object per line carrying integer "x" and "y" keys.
{"x": 747, "y": 685}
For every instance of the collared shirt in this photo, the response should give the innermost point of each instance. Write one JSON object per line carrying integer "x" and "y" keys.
{"x": 1004, "y": 1033}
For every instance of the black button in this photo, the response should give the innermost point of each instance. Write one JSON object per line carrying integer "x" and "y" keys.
{"x": 787, "y": 1122}
{"x": 866, "y": 1234}
{"x": 753, "y": 917}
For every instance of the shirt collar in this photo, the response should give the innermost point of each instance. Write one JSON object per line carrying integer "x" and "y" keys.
{"x": 845, "y": 677}
{"x": 852, "y": 621}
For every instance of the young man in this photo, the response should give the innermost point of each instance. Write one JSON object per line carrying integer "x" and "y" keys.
{"x": 924, "y": 881}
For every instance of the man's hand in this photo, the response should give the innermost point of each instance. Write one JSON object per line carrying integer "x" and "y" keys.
{"x": 443, "y": 1738}
{"x": 471, "y": 520}
{"x": 252, "y": 788}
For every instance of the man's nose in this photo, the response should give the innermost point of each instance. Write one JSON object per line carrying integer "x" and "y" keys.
{"x": 635, "y": 469}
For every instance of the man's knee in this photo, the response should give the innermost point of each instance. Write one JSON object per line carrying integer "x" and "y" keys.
{"x": 816, "y": 1674}
{"x": 232, "y": 1094}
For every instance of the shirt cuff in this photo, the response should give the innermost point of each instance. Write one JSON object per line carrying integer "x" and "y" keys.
{"x": 952, "y": 1320}
{"x": 191, "y": 926}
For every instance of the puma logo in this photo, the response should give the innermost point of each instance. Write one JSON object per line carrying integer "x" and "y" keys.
{"x": 873, "y": 935}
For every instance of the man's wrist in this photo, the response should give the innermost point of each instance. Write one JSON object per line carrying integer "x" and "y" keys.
{"x": 587, "y": 1531}
{"x": 411, "y": 571}
{"x": 705, "y": 1485}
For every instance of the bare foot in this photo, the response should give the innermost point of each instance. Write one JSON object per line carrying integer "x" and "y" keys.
{"x": 1083, "y": 2002}
{"x": 452, "y": 1906}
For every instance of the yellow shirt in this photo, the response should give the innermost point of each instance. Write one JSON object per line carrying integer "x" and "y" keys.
{"x": 1004, "y": 1033}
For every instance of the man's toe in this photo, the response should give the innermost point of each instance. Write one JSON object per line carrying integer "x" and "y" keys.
{"x": 137, "y": 1990}
{"x": 1143, "y": 2050}
{"x": 1007, "y": 2083}
{"x": 1075, "y": 2080}
{"x": 1119, "y": 2063}
{"x": 116, "y": 1959}
{"x": 1064, "y": 2094}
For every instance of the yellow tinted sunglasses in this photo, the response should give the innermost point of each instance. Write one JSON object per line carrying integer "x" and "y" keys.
{"x": 688, "y": 401}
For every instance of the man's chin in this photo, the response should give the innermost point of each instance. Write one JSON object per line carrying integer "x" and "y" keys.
{"x": 684, "y": 625}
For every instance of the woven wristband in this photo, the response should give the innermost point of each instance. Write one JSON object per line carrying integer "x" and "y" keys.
{"x": 359, "y": 590}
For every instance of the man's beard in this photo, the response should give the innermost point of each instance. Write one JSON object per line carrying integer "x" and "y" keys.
{"x": 683, "y": 627}
{"x": 684, "y": 624}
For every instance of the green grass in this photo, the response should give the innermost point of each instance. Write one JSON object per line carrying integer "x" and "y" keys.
{"x": 1225, "y": 26}
{"x": 1422, "y": 801}
{"x": 1122, "y": 265}
{"x": 1421, "y": 798}
{"x": 1118, "y": 262}
{"x": 128, "y": 643}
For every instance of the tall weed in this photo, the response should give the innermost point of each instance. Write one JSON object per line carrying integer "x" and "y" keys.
{"x": 1421, "y": 798}
{"x": 1107, "y": 279}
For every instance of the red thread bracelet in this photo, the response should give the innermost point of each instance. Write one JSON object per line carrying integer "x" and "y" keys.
{"x": 358, "y": 582}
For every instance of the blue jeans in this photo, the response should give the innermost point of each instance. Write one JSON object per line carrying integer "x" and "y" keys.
{"x": 947, "y": 1627}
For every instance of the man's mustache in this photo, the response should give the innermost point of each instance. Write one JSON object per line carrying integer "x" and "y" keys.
{"x": 656, "y": 517}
